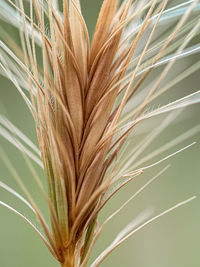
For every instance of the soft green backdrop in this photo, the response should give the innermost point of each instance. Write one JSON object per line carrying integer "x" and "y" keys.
{"x": 172, "y": 241}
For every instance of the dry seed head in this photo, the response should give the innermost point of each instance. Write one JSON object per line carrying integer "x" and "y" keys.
{"x": 79, "y": 99}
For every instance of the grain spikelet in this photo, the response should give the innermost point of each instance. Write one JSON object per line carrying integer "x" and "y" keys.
{"x": 80, "y": 98}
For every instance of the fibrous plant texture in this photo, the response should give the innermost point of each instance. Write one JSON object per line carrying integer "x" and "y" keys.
{"x": 87, "y": 98}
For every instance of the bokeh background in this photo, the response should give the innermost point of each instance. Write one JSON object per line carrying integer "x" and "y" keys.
{"x": 171, "y": 241}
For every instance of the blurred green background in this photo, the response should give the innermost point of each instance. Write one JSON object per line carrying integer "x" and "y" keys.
{"x": 171, "y": 241}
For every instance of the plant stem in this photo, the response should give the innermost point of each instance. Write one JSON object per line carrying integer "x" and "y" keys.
{"x": 67, "y": 264}
{"x": 69, "y": 258}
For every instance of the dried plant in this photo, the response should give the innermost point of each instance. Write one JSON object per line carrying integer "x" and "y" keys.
{"x": 86, "y": 100}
